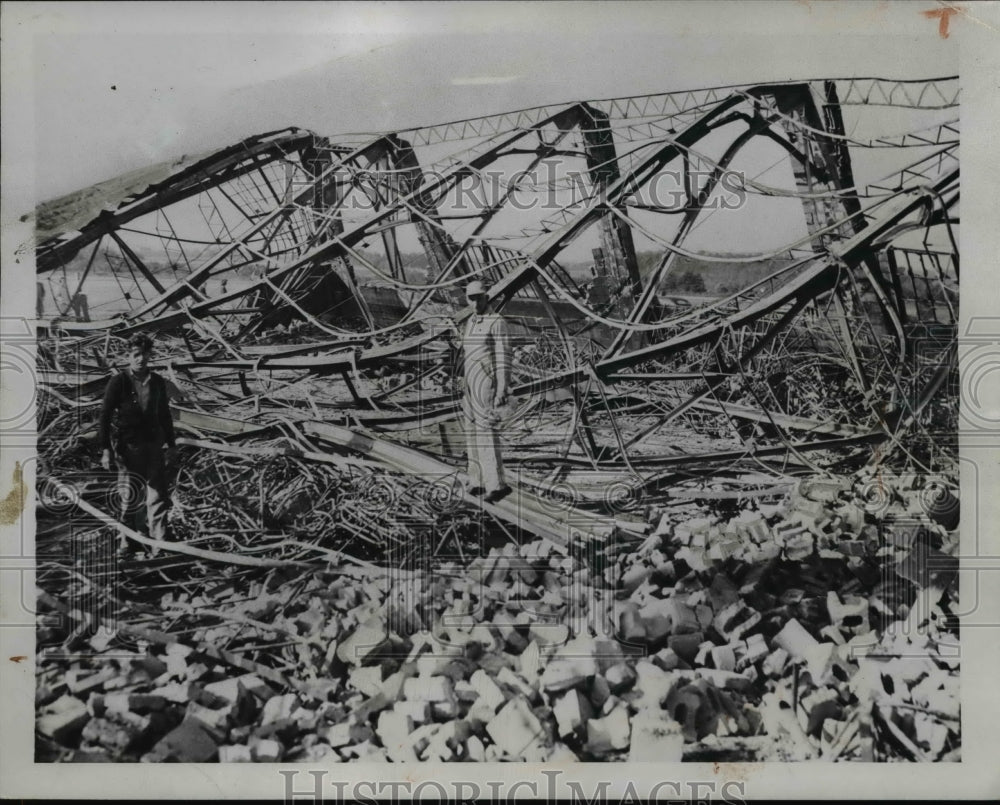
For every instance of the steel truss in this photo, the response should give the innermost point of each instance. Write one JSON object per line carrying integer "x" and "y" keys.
{"x": 355, "y": 250}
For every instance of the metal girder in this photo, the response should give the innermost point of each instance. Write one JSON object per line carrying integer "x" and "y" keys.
{"x": 735, "y": 340}
{"x": 939, "y": 93}
{"x": 236, "y": 160}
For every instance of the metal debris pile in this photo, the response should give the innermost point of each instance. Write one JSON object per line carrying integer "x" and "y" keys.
{"x": 733, "y": 521}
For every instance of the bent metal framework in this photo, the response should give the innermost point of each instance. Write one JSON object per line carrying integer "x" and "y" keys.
{"x": 734, "y": 506}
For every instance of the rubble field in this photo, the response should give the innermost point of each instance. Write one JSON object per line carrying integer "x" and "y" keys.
{"x": 815, "y": 623}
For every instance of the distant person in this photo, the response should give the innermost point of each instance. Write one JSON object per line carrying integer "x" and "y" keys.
{"x": 40, "y": 301}
{"x": 61, "y": 297}
{"x": 81, "y": 308}
{"x": 223, "y": 285}
{"x": 139, "y": 397}
{"x": 485, "y": 344}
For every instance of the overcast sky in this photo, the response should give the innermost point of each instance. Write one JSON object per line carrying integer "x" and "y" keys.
{"x": 116, "y": 86}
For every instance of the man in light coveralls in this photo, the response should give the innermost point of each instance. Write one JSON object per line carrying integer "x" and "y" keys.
{"x": 486, "y": 346}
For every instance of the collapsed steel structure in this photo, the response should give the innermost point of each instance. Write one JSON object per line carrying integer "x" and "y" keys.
{"x": 350, "y": 254}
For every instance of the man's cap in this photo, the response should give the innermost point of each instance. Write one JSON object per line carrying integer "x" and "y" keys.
{"x": 475, "y": 288}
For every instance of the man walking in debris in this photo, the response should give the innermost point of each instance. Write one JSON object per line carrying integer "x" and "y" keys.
{"x": 485, "y": 344}
{"x": 139, "y": 396}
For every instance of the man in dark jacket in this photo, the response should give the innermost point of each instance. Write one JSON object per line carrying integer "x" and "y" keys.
{"x": 139, "y": 396}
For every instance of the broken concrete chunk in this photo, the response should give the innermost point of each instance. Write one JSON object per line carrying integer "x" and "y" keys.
{"x": 488, "y": 691}
{"x": 851, "y": 616}
{"x": 315, "y": 753}
{"x": 306, "y": 719}
{"x": 175, "y": 692}
{"x": 815, "y": 708}
{"x": 829, "y": 733}
{"x": 756, "y": 527}
{"x": 367, "y": 679}
{"x": 800, "y": 502}
{"x": 321, "y": 690}
{"x": 801, "y": 546}
{"x": 832, "y": 634}
{"x": 153, "y": 666}
{"x": 686, "y": 646}
{"x": 695, "y": 706}
{"x": 666, "y": 659}
{"x": 930, "y": 734}
{"x": 188, "y": 743}
{"x": 465, "y": 692}
{"x": 429, "y": 689}
{"x": 572, "y": 710}
{"x": 346, "y": 733}
{"x": 794, "y": 639}
{"x": 216, "y": 719}
{"x": 652, "y": 683}
{"x": 694, "y": 558}
{"x": 141, "y": 703}
{"x": 821, "y": 662}
{"x": 80, "y": 682}
{"x": 599, "y": 692}
{"x": 515, "y": 643}
{"x": 475, "y": 749}
{"x": 445, "y": 743}
{"x": 620, "y": 677}
{"x": 935, "y": 680}
{"x": 482, "y": 635}
{"x": 278, "y": 707}
{"x": 681, "y": 615}
{"x": 115, "y": 734}
{"x": 571, "y": 666}
{"x": 418, "y": 711}
{"x": 285, "y": 729}
{"x": 664, "y": 575}
{"x": 366, "y": 751}
{"x": 62, "y": 719}
{"x": 530, "y": 660}
{"x": 517, "y": 732}
{"x": 726, "y": 680}
{"x": 609, "y": 734}
{"x": 655, "y": 738}
{"x": 392, "y": 687}
{"x": 657, "y": 629}
{"x": 394, "y": 731}
{"x": 445, "y": 711}
{"x": 611, "y": 703}
{"x": 687, "y": 532}
{"x": 432, "y": 664}
{"x": 235, "y": 753}
{"x": 735, "y": 621}
{"x": 631, "y": 627}
{"x": 722, "y": 592}
{"x": 266, "y": 751}
{"x": 852, "y": 517}
{"x": 723, "y": 658}
{"x": 636, "y": 575}
{"x": 364, "y": 641}
{"x": 560, "y": 753}
{"x": 505, "y": 676}
{"x": 774, "y": 664}
{"x": 751, "y": 652}
{"x": 503, "y": 621}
